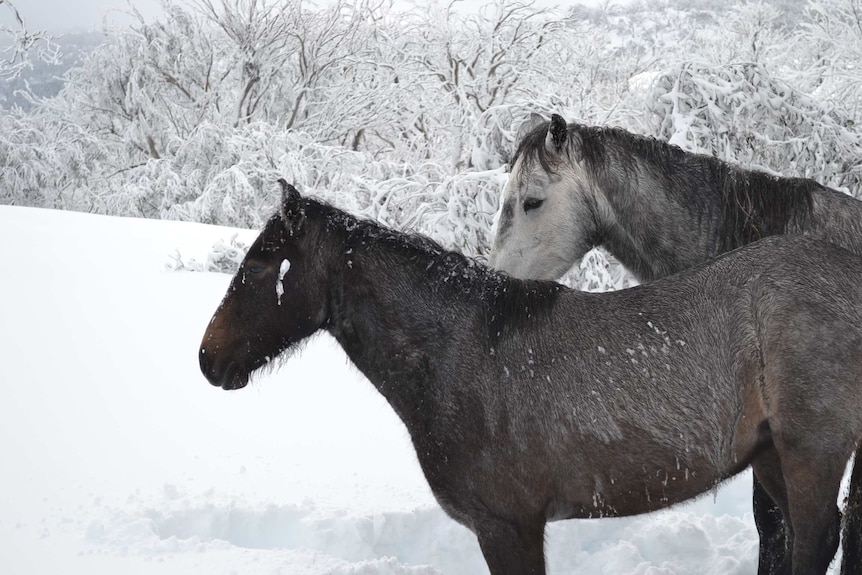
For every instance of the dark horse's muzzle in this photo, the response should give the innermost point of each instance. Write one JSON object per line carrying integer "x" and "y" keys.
{"x": 224, "y": 376}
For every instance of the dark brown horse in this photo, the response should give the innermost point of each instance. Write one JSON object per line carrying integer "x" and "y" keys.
{"x": 527, "y": 402}
{"x": 659, "y": 210}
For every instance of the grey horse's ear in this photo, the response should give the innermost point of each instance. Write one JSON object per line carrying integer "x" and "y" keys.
{"x": 529, "y": 125}
{"x": 291, "y": 207}
{"x": 558, "y": 130}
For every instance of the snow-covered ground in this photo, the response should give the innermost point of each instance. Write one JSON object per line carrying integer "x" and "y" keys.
{"x": 116, "y": 456}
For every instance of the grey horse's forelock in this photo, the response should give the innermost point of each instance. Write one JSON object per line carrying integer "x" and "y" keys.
{"x": 531, "y": 149}
{"x": 585, "y": 144}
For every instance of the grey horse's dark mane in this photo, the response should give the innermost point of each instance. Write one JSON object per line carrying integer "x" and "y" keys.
{"x": 751, "y": 204}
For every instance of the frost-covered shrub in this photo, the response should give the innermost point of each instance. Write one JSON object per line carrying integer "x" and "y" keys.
{"x": 227, "y": 176}
{"x": 224, "y": 257}
{"x": 496, "y": 132}
{"x": 833, "y": 35}
{"x": 598, "y": 271}
{"x": 456, "y": 210}
{"x": 42, "y": 163}
{"x": 743, "y": 113}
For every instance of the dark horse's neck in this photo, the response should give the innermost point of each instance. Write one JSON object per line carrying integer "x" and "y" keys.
{"x": 673, "y": 209}
{"x": 408, "y": 313}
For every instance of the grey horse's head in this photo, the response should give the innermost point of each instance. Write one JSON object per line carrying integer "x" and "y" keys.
{"x": 550, "y": 210}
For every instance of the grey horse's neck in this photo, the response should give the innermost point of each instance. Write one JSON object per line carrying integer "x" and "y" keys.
{"x": 652, "y": 233}
{"x": 658, "y": 224}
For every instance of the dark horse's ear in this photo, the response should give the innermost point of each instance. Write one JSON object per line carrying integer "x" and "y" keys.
{"x": 291, "y": 209}
{"x": 557, "y": 132}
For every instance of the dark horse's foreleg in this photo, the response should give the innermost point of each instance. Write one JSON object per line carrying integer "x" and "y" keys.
{"x": 852, "y": 536}
{"x": 512, "y": 548}
{"x": 771, "y": 529}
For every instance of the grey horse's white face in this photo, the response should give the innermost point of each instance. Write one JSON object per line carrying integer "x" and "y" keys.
{"x": 547, "y": 222}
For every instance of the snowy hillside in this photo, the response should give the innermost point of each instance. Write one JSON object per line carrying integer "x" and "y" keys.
{"x": 118, "y": 457}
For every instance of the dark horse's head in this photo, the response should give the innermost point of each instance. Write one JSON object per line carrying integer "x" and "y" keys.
{"x": 276, "y": 299}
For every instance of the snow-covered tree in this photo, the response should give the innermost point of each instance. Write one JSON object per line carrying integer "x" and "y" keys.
{"x": 743, "y": 113}
{"x": 21, "y": 45}
{"x": 409, "y": 116}
{"x": 833, "y": 36}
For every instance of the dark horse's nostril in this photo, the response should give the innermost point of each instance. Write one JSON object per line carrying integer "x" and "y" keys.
{"x": 206, "y": 363}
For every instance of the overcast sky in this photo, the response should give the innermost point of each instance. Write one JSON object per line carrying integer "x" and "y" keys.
{"x": 64, "y": 15}
{"x": 69, "y": 15}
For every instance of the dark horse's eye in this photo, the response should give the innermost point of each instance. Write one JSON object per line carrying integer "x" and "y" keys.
{"x": 255, "y": 269}
{"x": 532, "y": 204}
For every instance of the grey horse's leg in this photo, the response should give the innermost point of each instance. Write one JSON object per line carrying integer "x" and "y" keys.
{"x": 770, "y": 509}
{"x": 771, "y": 529}
{"x": 512, "y": 548}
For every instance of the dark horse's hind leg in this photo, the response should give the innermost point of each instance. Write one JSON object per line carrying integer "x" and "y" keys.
{"x": 852, "y": 536}
{"x": 512, "y": 549}
{"x": 771, "y": 529}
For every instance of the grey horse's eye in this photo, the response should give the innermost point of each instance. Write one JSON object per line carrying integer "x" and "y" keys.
{"x": 532, "y": 204}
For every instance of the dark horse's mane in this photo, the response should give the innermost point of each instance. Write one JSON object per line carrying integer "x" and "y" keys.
{"x": 752, "y": 204}
{"x": 509, "y": 302}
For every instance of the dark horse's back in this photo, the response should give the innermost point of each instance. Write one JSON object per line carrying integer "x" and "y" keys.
{"x": 837, "y": 218}
{"x": 688, "y": 377}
